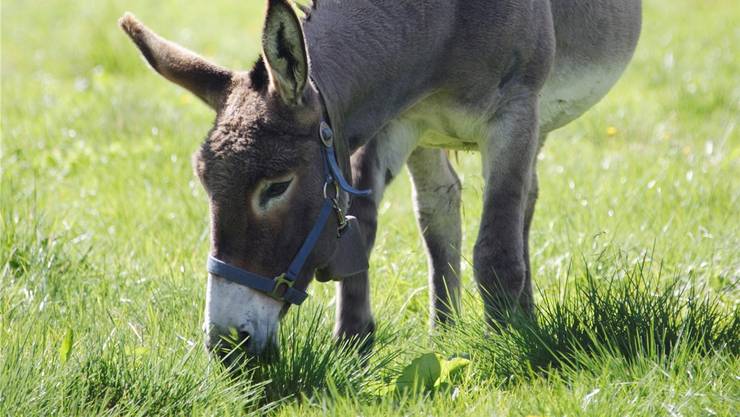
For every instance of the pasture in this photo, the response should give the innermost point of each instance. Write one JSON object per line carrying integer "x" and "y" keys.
{"x": 104, "y": 235}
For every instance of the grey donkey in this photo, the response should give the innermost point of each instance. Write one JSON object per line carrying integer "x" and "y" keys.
{"x": 398, "y": 82}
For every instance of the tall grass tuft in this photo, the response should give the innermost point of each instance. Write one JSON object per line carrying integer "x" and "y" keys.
{"x": 311, "y": 362}
{"x": 633, "y": 316}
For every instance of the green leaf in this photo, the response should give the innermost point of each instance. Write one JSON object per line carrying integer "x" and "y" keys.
{"x": 65, "y": 350}
{"x": 421, "y": 374}
{"x": 452, "y": 369}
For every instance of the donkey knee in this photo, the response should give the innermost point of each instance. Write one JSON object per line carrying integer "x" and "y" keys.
{"x": 502, "y": 270}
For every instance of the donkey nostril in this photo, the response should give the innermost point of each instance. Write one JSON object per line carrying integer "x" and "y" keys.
{"x": 244, "y": 338}
{"x": 225, "y": 341}
{"x": 228, "y": 346}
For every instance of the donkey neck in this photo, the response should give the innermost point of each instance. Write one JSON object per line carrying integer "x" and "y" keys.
{"x": 365, "y": 61}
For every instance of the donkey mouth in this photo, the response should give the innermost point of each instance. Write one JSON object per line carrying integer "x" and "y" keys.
{"x": 235, "y": 352}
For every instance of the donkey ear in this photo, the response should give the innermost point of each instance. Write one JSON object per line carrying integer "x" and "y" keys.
{"x": 285, "y": 51}
{"x": 206, "y": 80}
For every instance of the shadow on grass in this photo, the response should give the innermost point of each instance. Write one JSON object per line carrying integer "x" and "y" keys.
{"x": 631, "y": 317}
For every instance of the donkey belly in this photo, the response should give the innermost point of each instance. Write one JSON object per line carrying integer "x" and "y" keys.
{"x": 570, "y": 91}
{"x": 442, "y": 123}
{"x": 573, "y": 89}
{"x": 595, "y": 40}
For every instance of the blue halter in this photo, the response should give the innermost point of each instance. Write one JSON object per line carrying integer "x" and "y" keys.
{"x": 281, "y": 287}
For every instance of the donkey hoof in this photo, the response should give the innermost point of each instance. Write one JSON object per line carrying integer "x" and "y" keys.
{"x": 360, "y": 339}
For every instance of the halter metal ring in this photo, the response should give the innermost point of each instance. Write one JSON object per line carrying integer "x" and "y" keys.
{"x": 326, "y": 134}
{"x": 336, "y": 190}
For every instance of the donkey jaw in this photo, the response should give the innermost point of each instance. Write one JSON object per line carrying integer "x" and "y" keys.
{"x": 239, "y": 316}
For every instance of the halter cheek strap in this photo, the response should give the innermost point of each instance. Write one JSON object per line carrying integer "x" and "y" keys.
{"x": 282, "y": 287}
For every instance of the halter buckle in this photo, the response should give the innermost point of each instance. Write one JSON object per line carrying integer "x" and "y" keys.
{"x": 341, "y": 219}
{"x": 281, "y": 281}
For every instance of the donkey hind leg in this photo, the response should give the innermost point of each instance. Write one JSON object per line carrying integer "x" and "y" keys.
{"x": 374, "y": 165}
{"x": 437, "y": 206}
{"x": 527, "y": 297}
{"x": 499, "y": 255}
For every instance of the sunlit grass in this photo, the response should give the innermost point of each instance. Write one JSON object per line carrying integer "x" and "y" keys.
{"x": 104, "y": 234}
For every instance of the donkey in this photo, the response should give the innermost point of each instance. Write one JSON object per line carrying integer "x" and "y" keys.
{"x": 357, "y": 89}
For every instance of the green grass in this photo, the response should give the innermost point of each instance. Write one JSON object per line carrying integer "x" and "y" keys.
{"x": 103, "y": 237}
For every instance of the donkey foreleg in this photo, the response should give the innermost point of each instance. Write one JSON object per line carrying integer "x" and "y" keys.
{"x": 437, "y": 207}
{"x": 374, "y": 165}
{"x": 508, "y": 163}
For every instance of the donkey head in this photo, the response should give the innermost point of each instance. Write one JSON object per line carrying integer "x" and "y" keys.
{"x": 261, "y": 166}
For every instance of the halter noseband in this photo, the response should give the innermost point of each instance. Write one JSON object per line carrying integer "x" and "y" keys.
{"x": 281, "y": 287}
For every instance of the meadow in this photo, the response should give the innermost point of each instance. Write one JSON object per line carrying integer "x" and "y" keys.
{"x": 104, "y": 233}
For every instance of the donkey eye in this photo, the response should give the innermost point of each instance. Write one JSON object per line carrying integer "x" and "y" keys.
{"x": 276, "y": 189}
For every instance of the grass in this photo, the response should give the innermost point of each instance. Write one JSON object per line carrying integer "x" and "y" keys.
{"x": 103, "y": 236}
